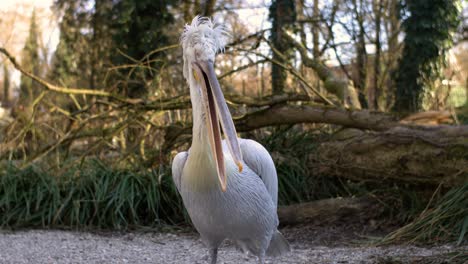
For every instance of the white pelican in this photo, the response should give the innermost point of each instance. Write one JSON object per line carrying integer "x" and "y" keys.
{"x": 229, "y": 187}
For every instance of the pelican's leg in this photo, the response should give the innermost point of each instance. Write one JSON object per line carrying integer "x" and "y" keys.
{"x": 263, "y": 248}
{"x": 261, "y": 258}
{"x": 213, "y": 255}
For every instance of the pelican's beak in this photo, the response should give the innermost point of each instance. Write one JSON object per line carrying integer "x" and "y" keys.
{"x": 217, "y": 112}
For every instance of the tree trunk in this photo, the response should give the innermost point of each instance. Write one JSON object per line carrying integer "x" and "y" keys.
{"x": 282, "y": 14}
{"x": 197, "y": 7}
{"x": 315, "y": 31}
{"x": 187, "y": 11}
{"x": 361, "y": 53}
{"x": 6, "y": 86}
{"x": 374, "y": 90}
{"x": 209, "y": 8}
{"x": 415, "y": 155}
{"x": 392, "y": 27}
{"x": 331, "y": 81}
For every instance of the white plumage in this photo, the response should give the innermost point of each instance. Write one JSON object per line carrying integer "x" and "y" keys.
{"x": 229, "y": 187}
{"x": 202, "y": 34}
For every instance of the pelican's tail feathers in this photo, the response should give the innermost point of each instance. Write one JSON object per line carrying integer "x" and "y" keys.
{"x": 278, "y": 245}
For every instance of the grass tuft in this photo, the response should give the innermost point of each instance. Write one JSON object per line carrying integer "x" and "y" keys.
{"x": 446, "y": 221}
{"x": 91, "y": 195}
{"x": 290, "y": 148}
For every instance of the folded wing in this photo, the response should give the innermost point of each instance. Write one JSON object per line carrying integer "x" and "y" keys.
{"x": 259, "y": 161}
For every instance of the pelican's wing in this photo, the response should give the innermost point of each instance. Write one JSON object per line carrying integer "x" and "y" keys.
{"x": 178, "y": 164}
{"x": 257, "y": 158}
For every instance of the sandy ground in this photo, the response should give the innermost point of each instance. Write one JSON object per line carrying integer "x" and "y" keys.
{"x": 309, "y": 246}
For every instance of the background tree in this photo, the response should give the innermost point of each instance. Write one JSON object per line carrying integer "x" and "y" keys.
{"x": 282, "y": 16}
{"x": 31, "y": 61}
{"x": 428, "y": 28}
{"x": 209, "y": 8}
{"x": 6, "y": 86}
{"x": 72, "y": 48}
{"x": 358, "y": 8}
{"x": 100, "y": 43}
{"x": 375, "y": 88}
{"x": 137, "y": 33}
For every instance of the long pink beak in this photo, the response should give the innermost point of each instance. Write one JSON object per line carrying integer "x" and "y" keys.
{"x": 218, "y": 112}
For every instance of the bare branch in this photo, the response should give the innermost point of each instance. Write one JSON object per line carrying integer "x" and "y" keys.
{"x": 66, "y": 90}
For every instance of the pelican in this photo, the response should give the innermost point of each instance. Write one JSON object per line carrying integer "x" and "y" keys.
{"x": 229, "y": 187}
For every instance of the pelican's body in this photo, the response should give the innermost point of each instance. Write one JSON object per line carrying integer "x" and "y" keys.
{"x": 229, "y": 187}
{"x": 244, "y": 213}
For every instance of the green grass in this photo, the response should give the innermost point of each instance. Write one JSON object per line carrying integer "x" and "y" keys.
{"x": 95, "y": 194}
{"x": 447, "y": 220}
{"x": 88, "y": 195}
{"x": 290, "y": 147}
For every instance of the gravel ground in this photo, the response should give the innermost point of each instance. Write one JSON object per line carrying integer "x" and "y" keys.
{"x": 55, "y": 246}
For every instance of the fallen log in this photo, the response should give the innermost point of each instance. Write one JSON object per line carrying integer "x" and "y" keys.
{"x": 329, "y": 211}
{"x": 431, "y": 155}
{"x": 296, "y": 114}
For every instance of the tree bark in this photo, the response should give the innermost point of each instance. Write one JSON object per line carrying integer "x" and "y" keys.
{"x": 282, "y": 14}
{"x": 415, "y": 155}
{"x": 209, "y": 8}
{"x": 361, "y": 53}
{"x": 331, "y": 82}
{"x": 296, "y": 114}
{"x": 6, "y": 87}
{"x": 315, "y": 31}
{"x": 374, "y": 90}
{"x": 329, "y": 211}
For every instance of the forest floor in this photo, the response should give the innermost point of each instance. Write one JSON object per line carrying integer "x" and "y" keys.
{"x": 310, "y": 244}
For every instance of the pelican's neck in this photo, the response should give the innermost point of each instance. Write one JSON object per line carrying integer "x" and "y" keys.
{"x": 200, "y": 163}
{"x": 200, "y": 140}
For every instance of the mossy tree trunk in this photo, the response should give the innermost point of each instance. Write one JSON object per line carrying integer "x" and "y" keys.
{"x": 419, "y": 67}
{"x": 282, "y": 15}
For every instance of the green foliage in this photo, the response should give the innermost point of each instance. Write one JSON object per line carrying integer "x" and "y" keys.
{"x": 88, "y": 195}
{"x": 71, "y": 62}
{"x": 297, "y": 182}
{"x": 289, "y": 148}
{"x": 30, "y": 62}
{"x": 111, "y": 33}
{"x": 139, "y": 27}
{"x": 96, "y": 195}
{"x": 83, "y": 45}
{"x": 428, "y": 34}
{"x": 446, "y": 221}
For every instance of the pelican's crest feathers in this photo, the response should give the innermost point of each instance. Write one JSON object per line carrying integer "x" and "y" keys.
{"x": 203, "y": 31}
{"x": 202, "y": 39}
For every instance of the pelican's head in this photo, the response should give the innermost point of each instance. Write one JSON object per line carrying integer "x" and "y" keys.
{"x": 200, "y": 41}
